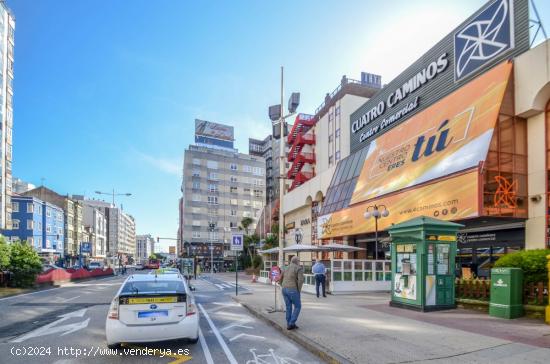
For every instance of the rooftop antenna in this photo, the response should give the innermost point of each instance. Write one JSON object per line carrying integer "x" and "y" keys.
{"x": 536, "y": 23}
{"x": 42, "y": 179}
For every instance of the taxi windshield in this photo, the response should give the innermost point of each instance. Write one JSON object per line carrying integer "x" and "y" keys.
{"x": 153, "y": 287}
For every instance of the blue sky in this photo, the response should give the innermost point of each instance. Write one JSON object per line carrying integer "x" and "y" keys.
{"x": 106, "y": 92}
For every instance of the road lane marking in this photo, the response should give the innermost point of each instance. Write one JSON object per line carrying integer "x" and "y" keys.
{"x": 219, "y": 286}
{"x": 205, "y": 349}
{"x": 246, "y": 335}
{"x": 235, "y": 325}
{"x": 226, "y": 350}
{"x": 52, "y": 329}
{"x": 70, "y": 299}
{"x": 226, "y": 285}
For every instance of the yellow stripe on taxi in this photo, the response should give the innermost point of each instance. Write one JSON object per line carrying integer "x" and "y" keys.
{"x": 138, "y": 300}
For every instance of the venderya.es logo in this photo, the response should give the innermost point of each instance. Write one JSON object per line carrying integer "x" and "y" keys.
{"x": 487, "y": 35}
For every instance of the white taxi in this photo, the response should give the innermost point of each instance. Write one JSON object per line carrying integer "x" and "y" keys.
{"x": 149, "y": 308}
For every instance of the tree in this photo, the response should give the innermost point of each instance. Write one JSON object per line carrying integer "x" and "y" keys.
{"x": 25, "y": 264}
{"x": 245, "y": 223}
{"x": 4, "y": 254}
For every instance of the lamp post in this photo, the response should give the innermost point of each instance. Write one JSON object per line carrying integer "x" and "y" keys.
{"x": 212, "y": 226}
{"x": 377, "y": 212}
{"x": 113, "y": 194}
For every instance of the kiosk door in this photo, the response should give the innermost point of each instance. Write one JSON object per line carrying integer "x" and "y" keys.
{"x": 444, "y": 280}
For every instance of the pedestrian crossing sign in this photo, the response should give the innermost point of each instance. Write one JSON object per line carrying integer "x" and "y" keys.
{"x": 237, "y": 242}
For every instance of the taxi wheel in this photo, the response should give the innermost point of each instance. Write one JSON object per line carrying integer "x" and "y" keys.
{"x": 113, "y": 346}
{"x": 194, "y": 341}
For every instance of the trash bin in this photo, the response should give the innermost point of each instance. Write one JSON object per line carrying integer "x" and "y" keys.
{"x": 506, "y": 293}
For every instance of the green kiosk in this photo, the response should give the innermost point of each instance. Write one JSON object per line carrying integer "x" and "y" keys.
{"x": 423, "y": 264}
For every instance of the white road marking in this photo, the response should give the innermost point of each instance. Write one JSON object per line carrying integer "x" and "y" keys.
{"x": 226, "y": 285}
{"x": 247, "y": 335}
{"x": 226, "y": 350}
{"x": 219, "y": 286}
{"x": 235, "y": 325}
{"x": 70, "y": 299}
{"x": 205, "y": 349}
{"x": 52, "y": 329}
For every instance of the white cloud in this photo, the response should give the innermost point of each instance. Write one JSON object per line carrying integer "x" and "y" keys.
{"x": 167, "y": 165}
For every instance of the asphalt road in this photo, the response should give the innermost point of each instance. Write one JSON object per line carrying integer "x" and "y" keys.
{"x": 67, "y": 325}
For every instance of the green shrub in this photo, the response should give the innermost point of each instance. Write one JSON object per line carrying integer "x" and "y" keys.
{"x": 532, "y": 262}
{"x": 257, "y": 262}
{"x": 25, "y": 264}
{"x": 4, "y": 254}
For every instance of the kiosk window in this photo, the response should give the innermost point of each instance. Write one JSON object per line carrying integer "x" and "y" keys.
{"x": 406, "y": 259}
{"x": 442, "y": 259}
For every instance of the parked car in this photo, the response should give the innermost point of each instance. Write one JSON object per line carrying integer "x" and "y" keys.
{"x": 140, "y": 266}
{"x": 47, "y": 267}
{"x": 95, "y": 265}
{"x": 151, "y": 308}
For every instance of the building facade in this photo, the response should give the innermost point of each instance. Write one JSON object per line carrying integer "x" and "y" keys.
{"x": 95, "y": 225}
{"x": 73, "y": 220}
{"x": 7, "y": 30}
{"x": 40, "y": 224}
{"x": 121, "y": 234}
{"x": 220, "y": 187}
{"x": 145, "y": 246}
{"x": 19, "y": 186}
{"x": 453, "y": 137}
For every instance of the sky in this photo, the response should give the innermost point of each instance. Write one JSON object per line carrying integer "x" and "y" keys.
{"x": 106, "y": 92}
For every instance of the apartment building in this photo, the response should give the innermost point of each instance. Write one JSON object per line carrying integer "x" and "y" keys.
{"x": 145, "y": 246}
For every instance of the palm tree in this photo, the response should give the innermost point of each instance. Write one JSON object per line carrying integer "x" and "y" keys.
{"x": 245, "y": 224}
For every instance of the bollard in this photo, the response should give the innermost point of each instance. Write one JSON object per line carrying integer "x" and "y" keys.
{"x": 548, "y": 307}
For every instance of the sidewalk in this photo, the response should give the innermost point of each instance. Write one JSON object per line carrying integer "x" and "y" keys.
{"x": 365, "y": 329}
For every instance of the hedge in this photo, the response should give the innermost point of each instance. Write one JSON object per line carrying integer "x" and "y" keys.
{"x": 532, "y": 262}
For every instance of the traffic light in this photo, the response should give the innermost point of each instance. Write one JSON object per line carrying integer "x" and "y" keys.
{"x": 158, "y": 239}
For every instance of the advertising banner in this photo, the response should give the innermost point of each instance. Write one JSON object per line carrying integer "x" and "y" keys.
{"x": 213, "y": 130}
{"x": 450, "y": 136}
{"x": 449, "y": 199}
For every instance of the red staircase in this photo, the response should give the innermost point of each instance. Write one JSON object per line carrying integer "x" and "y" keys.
{"x": 297, "y": 139}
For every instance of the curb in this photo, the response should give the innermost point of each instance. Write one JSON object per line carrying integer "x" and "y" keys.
{"x": 326, "y": 355}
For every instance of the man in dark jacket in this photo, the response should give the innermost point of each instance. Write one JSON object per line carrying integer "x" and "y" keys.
{"x": 292, "y": 279}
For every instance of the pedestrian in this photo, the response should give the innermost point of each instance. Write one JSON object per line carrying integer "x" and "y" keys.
{"x": 292, "y": 279}
{"x": 320, "y": 276}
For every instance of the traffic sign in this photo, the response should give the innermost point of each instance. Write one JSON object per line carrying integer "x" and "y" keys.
{"x": 237, "y": 242}
{"x": 275, "y": 273}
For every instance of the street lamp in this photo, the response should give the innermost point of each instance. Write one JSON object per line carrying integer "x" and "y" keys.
{"x": 378, "y": 212}
{"x": 212, "y": 226}
{"x": 276, "y": 114}
{"x": 113, "y": 194}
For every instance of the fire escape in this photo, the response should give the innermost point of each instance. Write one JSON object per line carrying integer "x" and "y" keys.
{"x": 297, "y": 139}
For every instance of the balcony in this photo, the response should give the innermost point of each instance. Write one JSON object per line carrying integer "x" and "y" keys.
{"x": 302, "y": 124}
{"x": 301, "y": 178}
{"x": 299, "y": 162}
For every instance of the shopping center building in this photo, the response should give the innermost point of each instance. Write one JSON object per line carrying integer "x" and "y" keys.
{"x": 461, "y": 135}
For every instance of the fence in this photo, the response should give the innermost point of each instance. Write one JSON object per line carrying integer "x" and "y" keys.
{"x": 533, "y": 293}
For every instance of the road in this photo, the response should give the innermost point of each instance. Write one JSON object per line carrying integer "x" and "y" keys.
{"x": 67, "y": 325}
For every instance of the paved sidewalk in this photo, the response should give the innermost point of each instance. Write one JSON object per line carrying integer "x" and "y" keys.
{"x": 364, "y": 329}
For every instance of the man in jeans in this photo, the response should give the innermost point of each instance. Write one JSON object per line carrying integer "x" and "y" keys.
{"x": 292, "y": 279}
{"x": 319, "y": 270}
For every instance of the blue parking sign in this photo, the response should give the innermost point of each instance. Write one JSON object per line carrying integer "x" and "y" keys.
{"x": 237, "y": 242}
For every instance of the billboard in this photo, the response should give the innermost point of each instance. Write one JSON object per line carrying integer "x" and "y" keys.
{"x": 450, "y": 136}
{"x": 454, "y": 198}
{"x": 172, "y": 250}
{"x": 213, "y": 130}
{"x": 498, "y": 31}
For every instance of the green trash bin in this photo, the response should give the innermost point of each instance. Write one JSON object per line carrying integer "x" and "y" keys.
{"x": 506, "y": 293}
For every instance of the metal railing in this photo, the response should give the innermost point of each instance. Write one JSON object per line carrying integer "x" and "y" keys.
{"x": 360, "y": 270}
{"x": 336, "y": 90}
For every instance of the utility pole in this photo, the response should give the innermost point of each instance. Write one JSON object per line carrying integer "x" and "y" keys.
{"x": 281, "y": 175}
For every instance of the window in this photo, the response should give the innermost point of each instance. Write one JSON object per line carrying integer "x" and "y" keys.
{"x": 330, "y": 138}
{"x": 196, "y": 210}
{"x": 48, "y": 229}
{"x": 330, "y": 117}
{"x": 213, "y": 235}
{"x": 233, "y": 224}
{"x": 40, "y": 210}
{"x": 196, "y": 234}
{"x": 196, "y": 197}
{"x": 233, "y": 212}
{"x": 40, "y": 226}
{"x": 330, "y": 160}
{"x": 30, "y": 241}
{"x": 258, "y": 193}
{"x": 59, "y": 231}
{"x": 337, "y": 155}
{"x": 233, "y": 201}
{"x": 15, "y": 206}
{"x": 30, "y": 224}
{"x": 196, "y": 162}
{"x": 247, "y": 169}
{"x": 196, "y": 173}
{"x": 247, "y": 214}
{"x": 196, "y": 185}
{"x": 212, "y": 187}
{"x": 212, "y": 212}
{"x": 247, "y": 191}
{"x": 212, "y": 164}
{"x": 212, "y": 200}
{"x": 258, "y": 204}
{"x": 48, "y": 213}
{"x": 233, "y": 167}
{"x": 258, "y": 171}
{"x": 213, "y": 176}
{"x": 337, "y": 132}
{"x": 233, "y": 189}
{"x": 196, "y": 223}
{"x": 337, "y": 111}
{"x": 258, "y": 182}
{"x": 30, "y": 207}
{"x": 246, "y": 202}
{"x": 233, "y": 179}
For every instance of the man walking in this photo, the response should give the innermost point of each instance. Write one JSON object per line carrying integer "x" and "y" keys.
{"x": 320, "y": 276}
{"x": 292, "y": 279}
